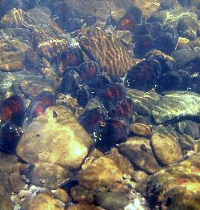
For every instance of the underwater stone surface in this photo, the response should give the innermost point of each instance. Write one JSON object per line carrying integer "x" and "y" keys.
{"x": 176, "y": 187}
{"x": 143, "y": 102}
{"x": 55, "y": 137}
{"x": 138, "y": 151}
{"x": 93, "y": 176}
{"x": 176, "y": 105}
{"x": 166, "y": 148}
{"x": 43, "y": 201}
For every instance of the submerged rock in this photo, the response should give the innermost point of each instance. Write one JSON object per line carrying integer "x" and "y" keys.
{"x": 143, "y": 102}
{"x": 100, "y": 173}
{"x": 166, "y": 148}
{"x": 175, "y": 105}
{"x": 43, "y": 201}
{"x": 176, "y": 187}
{"x": 55, "y": 137}
{"x": 138, "y": 150}
{"x": 111, "y": 200}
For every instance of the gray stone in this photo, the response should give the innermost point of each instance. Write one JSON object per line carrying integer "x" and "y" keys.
{"x": 176, "y": 105}
{"x": 111, "y": 200}
{"x": 143, "y": 102}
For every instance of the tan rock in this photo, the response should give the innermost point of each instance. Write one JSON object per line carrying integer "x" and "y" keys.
{"x": 166, "y": 148}
{"x": 43, "y": 201}
{"x": 148, "y": 8}
{"x": 82, "y": 195}
{"x": 101, "y": 173}
{"x": 141, "y": 129}
{"x": 16, "y": 182}
{"x": 122, "y": 163}
{"x": 178, "y": 184}
{"x": 48, "y": 175}
{"x": 139, "y": 152}
{"x": 83, "y": 207}
{"x": 12, "y": 54}
{"x": 59, "y": 140}
{"x": 62, "y": 195}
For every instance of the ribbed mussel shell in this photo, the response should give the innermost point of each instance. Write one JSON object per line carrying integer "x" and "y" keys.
{"x": 108, "y": 50}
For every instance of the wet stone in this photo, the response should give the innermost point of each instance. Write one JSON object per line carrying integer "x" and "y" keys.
{"x": 48, "y": 175}
{"x": 55, "y": 137}
{"x": 141, "y": 129}
{"x": 62, "y": 195}
{"x": 178, "y": 184}
{"x": 187, "y": 142}
{"x": 122, "y": 162}
{"x": 189, "y": 127}
{"x": 175, "y": 105}
{"x": 32, "y": 88}
{"x": 166, "y": 148}
{"x": 183, "y": 56}
{"x": 43, "y": 201}
{"x": 140, "y": 176}
{"x": 139, "y": 152}
{"x": 16, "y": 182}
{"x": 83, "y": 207}
{"x": 148, "y": 8}
{"x": 143, "y": 102}
{"x": 82, "y": 195}
{"x": 182, "y": 19}
{"x": 111, "y": 200}
{"x": 92, "y": 8}
{"x": 100, "y": 173}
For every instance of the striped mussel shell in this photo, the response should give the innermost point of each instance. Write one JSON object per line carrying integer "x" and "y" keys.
{"x": 107, "y": 50}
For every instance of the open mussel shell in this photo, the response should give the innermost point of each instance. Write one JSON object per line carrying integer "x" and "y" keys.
{"x": 13, "y": 109}
{"x": 88, "y": 71}
{"x": 123, "y": 110}
{"x": 111, "y": 94}
{"x": 91, "y": 118}
{"x": 38, "y": 106}
{"x": 144, "y": 75}
{"x": 109, "y": 134}
{"x": 70, "y": 82}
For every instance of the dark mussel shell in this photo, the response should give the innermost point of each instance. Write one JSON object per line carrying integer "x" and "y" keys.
{"x": 73, "y": 57}
{"x": 166, "y": 65}
{"x": 166, "y": 43}
{"x": 88, "y": 71}
{"x": 9, "y": 137}
{"x": 70, "y": 82}
{"x": 109, "y": 134}
{"x": 111, "y": 95}
{"x": 143, "y": 44}
{"x": 193, "y": 66}
{"x": 132, "y": 18}
{"x": 172, "y": 81}
{"x": 83, "y": 95}
{"x": 13, "y": 109}
{"x": 123, "y": 110}
{"x": 144, "y": 75}
{"x": 91, "y": 118}
{"x": 38, "y": 106}
{"x": 99, "y": 82}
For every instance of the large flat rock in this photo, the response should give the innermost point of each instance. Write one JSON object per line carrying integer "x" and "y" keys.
{"x": 175, "y": 105}
{"x": 55, "y": 137}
